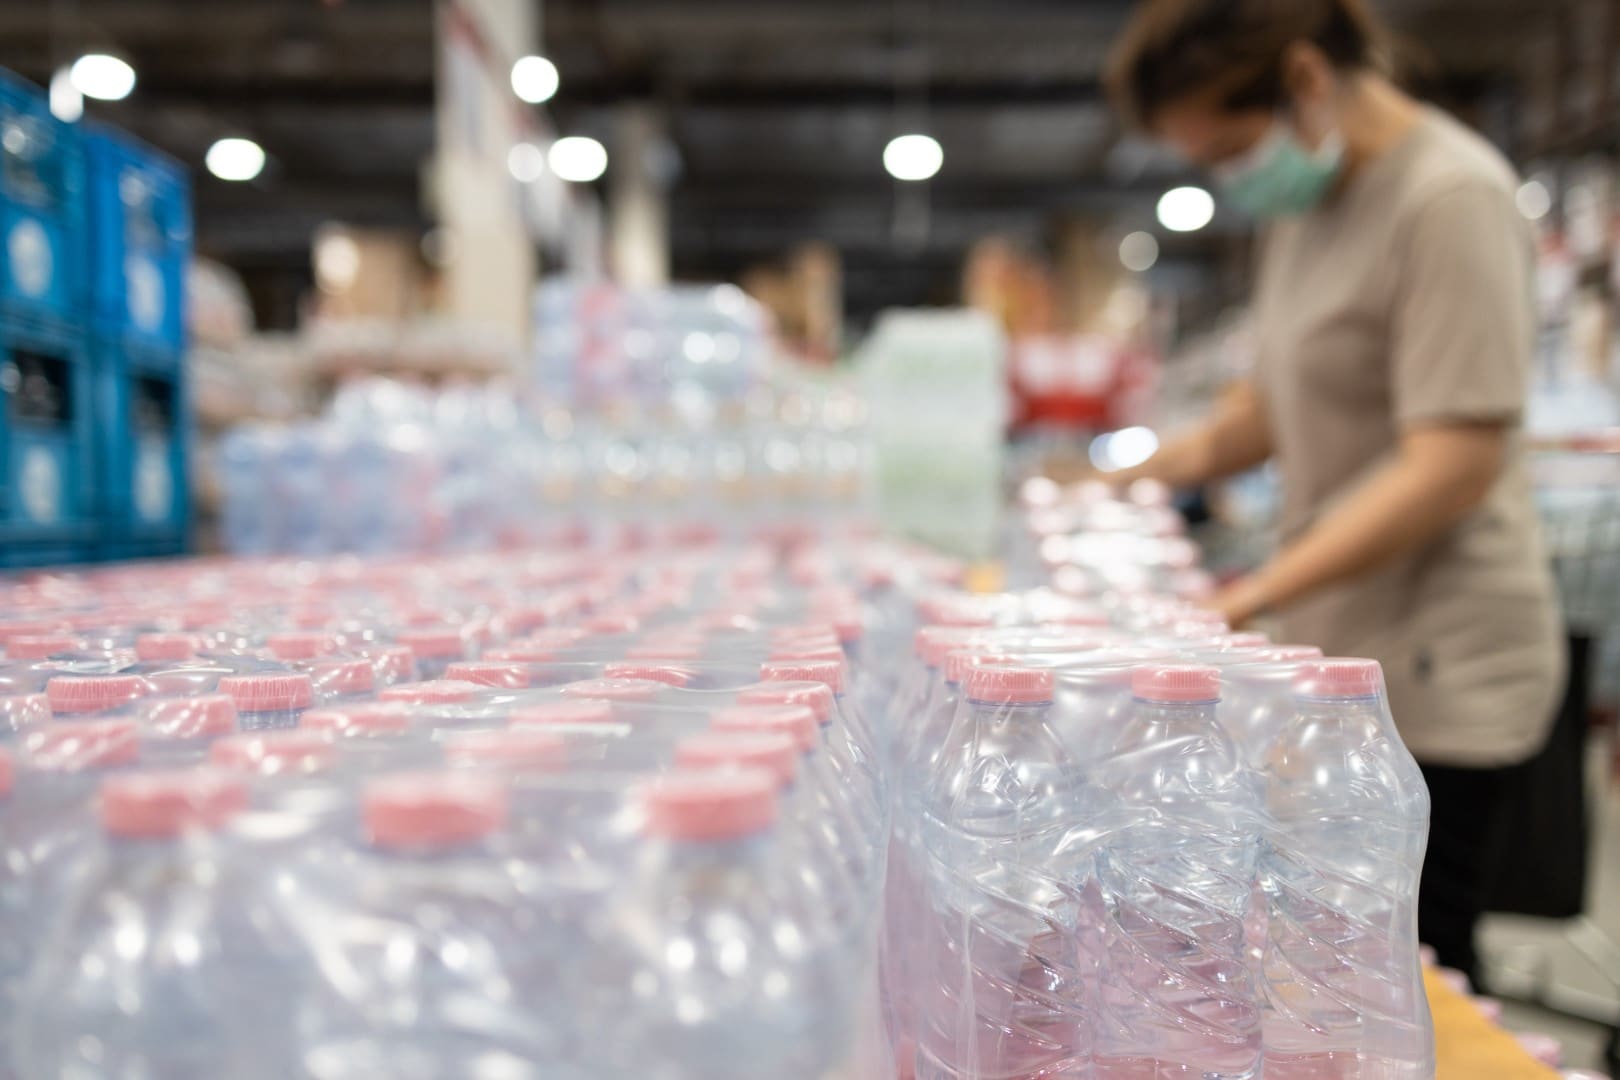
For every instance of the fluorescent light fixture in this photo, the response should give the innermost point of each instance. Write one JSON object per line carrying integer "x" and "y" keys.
{"x": 235, "y": 159}
{"x": 102, "y": 76}
{"x": 913, "y": 157}
{"x": 578, "y": 159}
{"x": 535, "y": 79}
{"x": 1186, "y": 209}
{"x": 67, "y": 100}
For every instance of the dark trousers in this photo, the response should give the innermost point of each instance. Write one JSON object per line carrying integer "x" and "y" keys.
{"x": 1468, "y": 817}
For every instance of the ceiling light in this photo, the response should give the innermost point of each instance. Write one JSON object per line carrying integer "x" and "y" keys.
{"x": 534, "y": 79}
{"x": 913, "y": 157}
{"x": 1533, "y": 200}
{"x": 235, "y": 159}
{"x": 101, "y": 76}
{"x": 1138, "y": 252}
{"x": 1186, "y": 209}
{"x": 67, "y": 100}
{"x": 577, "y": 159}
{"x": 525, "y": 162}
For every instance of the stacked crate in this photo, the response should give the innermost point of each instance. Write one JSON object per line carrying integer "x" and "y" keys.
{"x": 139, "y": 227}
{"x": 49, "y": 496}
{"x": 95, "y": 235}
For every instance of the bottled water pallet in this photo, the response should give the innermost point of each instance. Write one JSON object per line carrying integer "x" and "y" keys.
{"x": 140, "y": 234}
{"x": 143, "y": 450}
{"x": 47, "y": 433}
{"x": 800, "y": 811}
{"x": 42, "y": 219}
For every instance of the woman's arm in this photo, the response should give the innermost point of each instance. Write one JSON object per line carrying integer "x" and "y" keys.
{"x": 1234, "y": 438}
{"x": 1440, "y": 473}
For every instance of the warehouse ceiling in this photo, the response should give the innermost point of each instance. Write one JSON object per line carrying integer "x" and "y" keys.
{"x": 777, "y": 111}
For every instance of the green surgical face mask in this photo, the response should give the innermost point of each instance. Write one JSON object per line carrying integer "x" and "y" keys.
{"x": 1280, "y": 176}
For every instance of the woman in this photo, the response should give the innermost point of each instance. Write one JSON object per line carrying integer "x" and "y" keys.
{"x": 1394, "y": 317}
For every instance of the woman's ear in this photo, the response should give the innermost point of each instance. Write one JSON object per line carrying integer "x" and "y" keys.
{"x": 1307, "y": 75}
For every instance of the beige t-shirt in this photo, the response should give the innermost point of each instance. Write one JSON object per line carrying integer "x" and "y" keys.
{"x": 1405, "y": 300}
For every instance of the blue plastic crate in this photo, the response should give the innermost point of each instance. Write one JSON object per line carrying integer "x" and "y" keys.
{"x": 42, "y": 209}
{"x": 143, "y": 450}
{"x": 139, "y": 241}
{"x": 47, "y": 437}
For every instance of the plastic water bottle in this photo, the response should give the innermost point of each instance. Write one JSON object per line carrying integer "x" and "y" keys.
{"x": 136, "y": 977}
{"x": 426, "y": 960}
{"x": 1347, "y": 824}
{"x": 999, "y": 986}
{"x": 1175, "y": 875}
{"x": 179, "y": 731}
{"x": 704, "y": 966}
{"x": 45, "y": 819}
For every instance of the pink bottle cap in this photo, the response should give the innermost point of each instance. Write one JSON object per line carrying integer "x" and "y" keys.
{"x": 658, "y": 673}
{"x": 365, "y": 718}
{"x": 829, "y": 672}
{"x": 167, "y": 646}
{"x": 433, "y": 643}
{"x": 83, "y": 744}
{"x": 804, "y": 654}
{"x": 776, "y": 754}
{"x": 525, "y": 748}
{"x": 208, "y": 716}
{"x": 1340, "y": 677}
{"x": 503, "y": 676}
{"x": 19, "y": 712}
{"x": 300, "y": 645}
{"x": 278, "y": 691}
{"x": 12, "y": 628}
{"x": 796, "y": 721}
{"x": 276, "y": 753}
{"x": 1006, "y": 685}
{"x": 958, "y": 662}
{"x": 432, "y": 810}
{"x": 345, "y": 677}
{"x": 718, "y": 805}
{"x": 8, "y": 772}
{"x": 205, "y": 614}
{"x": 575, "y": 711}
{"x": 434, "y": 692}
{"x": 74, "y": 694}
{"x": 816, "y": 696}
{"x": 614, "y": 689}
{"x": 955, "y": 610}
{"x": 391, "y": 663}
{"x": 39, "y": 646}
{"x": 163, "y": 805}
{"x": 932, "y": 643}
{"x": 612, "y": 623}
{"x": 1176, "y": 683}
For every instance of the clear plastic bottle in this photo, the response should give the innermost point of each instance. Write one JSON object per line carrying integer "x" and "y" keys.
{"x": 1347, "y": 825}
{"x": 425, "y": 958}
{"x": 1175, "y": 876}
{"x": 703, "y": 966}
{"x": 135, "y": 978}
{"x": 1000, "y": 990}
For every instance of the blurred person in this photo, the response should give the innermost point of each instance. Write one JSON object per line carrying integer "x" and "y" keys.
{"x": 1394, "y": 316}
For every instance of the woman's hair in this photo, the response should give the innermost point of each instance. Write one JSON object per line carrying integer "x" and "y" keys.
{"x": 1173, "y": 49}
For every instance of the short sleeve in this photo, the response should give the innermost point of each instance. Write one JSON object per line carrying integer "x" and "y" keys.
{"x": 1463, "y": 329}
